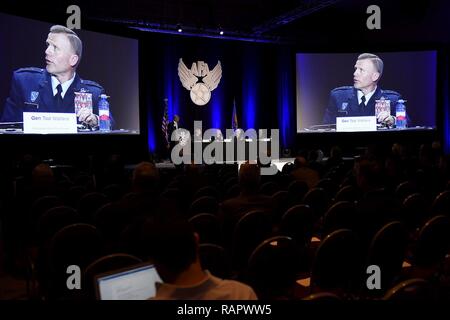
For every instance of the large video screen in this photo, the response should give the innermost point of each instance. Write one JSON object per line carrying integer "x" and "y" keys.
{"x": 377, "y": 91}
{"x": 57, "y": 80}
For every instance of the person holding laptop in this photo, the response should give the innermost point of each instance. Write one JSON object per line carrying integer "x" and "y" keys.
{"x": 173, "y": 248}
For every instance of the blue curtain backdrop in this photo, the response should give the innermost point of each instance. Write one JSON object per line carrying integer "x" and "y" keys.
{"x": 446, "y": 103}
{"x": 259, "y": 77}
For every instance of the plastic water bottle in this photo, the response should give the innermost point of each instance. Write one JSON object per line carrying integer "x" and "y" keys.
{"x": 400, "y": 114}
{"x": 103, "y": 112}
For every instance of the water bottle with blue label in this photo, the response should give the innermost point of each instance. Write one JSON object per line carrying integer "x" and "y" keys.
{"x": 400, "y": 114}
{"x": 103, "y": 112}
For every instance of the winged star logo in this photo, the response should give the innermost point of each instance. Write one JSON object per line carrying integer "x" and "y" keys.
{"x": 199, "y": 80}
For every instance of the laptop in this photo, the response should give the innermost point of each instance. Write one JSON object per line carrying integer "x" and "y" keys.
{"x": 137, "y": 282}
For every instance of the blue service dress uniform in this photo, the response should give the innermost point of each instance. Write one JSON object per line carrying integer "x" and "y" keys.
{"x": 31, "y": 91}
{"x": 343, "y": 102}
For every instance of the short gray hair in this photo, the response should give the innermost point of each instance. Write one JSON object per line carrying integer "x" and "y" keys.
{"x": 74, "y": 40}
{"x": 377, "y": 62}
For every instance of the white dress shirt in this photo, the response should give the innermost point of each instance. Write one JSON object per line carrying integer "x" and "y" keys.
{"x": 368, "y": 96}
{"x": 64, "y": 85}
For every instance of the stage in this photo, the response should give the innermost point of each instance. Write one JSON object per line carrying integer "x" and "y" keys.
{"x": 279, "y": 163}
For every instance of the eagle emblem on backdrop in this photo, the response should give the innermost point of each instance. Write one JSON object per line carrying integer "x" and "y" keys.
{"x": 199, "y": 80}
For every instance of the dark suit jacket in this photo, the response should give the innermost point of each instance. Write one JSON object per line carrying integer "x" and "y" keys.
{"x": 171, "y": 128}
{"x": 343, "y": 102}
{"x": 31, "y": 91}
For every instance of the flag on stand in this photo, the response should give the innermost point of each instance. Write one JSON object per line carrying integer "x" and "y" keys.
{"x": 234, "y": 120}
{"x": 165, "y": 122}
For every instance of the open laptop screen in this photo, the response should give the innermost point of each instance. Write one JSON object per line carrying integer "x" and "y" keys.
{"x": 133, "y": 283}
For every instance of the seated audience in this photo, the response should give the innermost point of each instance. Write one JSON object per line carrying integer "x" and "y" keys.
{"x": 233, "y": 209}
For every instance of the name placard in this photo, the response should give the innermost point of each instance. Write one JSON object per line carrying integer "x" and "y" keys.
{"x": 49, "y": 122}
{"x": 352, "y": 124}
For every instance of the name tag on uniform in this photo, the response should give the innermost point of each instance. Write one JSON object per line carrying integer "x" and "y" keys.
{"x": 49, "y": 122}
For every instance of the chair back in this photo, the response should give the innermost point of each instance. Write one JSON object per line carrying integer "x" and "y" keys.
{"x": 341, "y": 215}
{"x": 77, "y": 244}
{"x": 441, "y": 204}
{"x": 89, "y": 204}
{"x": 268, "y": 188}
{"x": 318, "y": 199}
{"x": 410, "y": 290}
{"x": 415, "y": 210}
{"x": 433, "y": 242}
{"x": 273, "y": 267}
{"x": 204, "y": 205}
{"x": 387, "y": 251}
{"x": 336, "y": 265}
{"x": 54, "y": 220}
{"x": 250, "y": 230}
{"x": 207, "y": 191}
{"x": 347, "y": 193}
{"x": 298, "y": 223}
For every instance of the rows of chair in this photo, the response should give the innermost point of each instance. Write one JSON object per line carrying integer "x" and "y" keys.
{"x": 314, "y": 243}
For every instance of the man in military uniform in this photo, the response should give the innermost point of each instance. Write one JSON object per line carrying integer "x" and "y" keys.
{"x": 359, "y": 100}
{"x": 53, "y": 89}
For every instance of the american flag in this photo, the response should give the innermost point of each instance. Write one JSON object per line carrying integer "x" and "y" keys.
{"x": 234, "y": 120}
{"x": 165, "y": 122}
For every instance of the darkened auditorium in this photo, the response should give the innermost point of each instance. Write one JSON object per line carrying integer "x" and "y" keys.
{"x": 251, "y": 151}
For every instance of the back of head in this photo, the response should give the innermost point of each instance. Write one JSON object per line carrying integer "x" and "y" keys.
{"x": 313, "y": 155}
{"x": 336, "y": 152}
{"x": 42, "y": 180}
{"x": 368, "y": 173}
{"x": 249, "y": 177}
{"x": 171, "y": 245}
{"x": 145, "y": 177}
{"x": 42, "y": 175}
{"x": 300, "y": 162}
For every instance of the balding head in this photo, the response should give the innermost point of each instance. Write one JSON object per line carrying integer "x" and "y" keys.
{"x": 249, "y": 177}
{"x": 145, "y": 177}
{"x": 300, "y": 162}
{"x": 42, "y": 176}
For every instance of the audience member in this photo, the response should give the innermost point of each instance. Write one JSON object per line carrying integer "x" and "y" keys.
{"x": 231, "y": 210}
{"x": 304, "y": 173}
{"x": 174, "y": 248}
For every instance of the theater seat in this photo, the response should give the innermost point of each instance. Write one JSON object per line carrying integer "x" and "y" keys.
{"x": 412, "y": 289}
